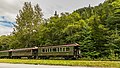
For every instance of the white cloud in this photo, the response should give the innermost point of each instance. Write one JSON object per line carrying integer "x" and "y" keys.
{"x": 5, "y": 30}
{"x": 10, "y": 8}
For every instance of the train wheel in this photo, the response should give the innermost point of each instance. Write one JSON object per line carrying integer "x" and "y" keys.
{"x": 66, "y": 58}
{"x": 74, "y": 58}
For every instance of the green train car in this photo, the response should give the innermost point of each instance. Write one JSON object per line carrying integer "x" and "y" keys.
{"x": 5, "y": 54}
{"x": 25, "y": 52}
{"x": 68, "y": 51}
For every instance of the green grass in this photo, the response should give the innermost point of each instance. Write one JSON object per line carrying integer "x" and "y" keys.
{"x": 115, "y": 64}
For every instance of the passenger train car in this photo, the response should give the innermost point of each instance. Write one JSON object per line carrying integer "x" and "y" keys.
{"x": 68, "y": 51}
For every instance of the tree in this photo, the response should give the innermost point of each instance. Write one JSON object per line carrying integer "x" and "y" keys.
{"x": 113, "y": 23}
{"x": 27, "y": 22}
{"x": 5, "y": 42}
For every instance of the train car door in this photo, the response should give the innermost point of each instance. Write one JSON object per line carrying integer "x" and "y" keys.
{"x": 10, "y": 54}
{"x": 35, "y": 53}
{"x": 76, "y": 51}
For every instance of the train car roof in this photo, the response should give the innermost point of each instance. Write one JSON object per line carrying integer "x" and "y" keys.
{"x": 24, "y": 49}
{"x": 44, "y": 46}
{"x": 5, "y": 51}
{"x": 39, "y": 47}
{"x": 62, "y": 45}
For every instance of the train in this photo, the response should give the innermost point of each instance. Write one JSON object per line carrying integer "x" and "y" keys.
{"x": 67, "y": 51}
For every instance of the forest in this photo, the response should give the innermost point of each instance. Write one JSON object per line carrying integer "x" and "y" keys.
{"x": 96, "y": 29}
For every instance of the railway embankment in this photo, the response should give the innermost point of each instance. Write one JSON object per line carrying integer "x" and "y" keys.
{"x": 108, "y": 64}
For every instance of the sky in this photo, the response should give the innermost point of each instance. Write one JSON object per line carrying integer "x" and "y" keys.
{"x": 10, "y": 8}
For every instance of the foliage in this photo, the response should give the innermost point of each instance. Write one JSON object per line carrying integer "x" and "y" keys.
{"x": 27, "y": 22}
{"x": 96, "y": 29}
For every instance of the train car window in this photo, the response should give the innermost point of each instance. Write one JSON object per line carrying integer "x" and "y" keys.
{"x": 50, "y": 50}
{"x": 54, "y": 49}
{"x": 79, "y": 52}
{"x": 46, "y": 50}
{"x": 57, "y": 49}
{"x": 43, "y": 50}
{"x": 60, "y": 49}
{"x": 67, "y": 49}
{"x": 63, "y": 49}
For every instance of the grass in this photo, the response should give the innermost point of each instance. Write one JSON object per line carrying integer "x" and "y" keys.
{"x": 115, "y": 64}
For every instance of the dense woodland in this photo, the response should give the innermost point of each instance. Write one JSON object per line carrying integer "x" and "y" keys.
{"x": 96, "y": 29}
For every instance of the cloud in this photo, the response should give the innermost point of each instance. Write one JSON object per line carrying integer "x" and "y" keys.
{"x": 5, "y": 30}
{"x": 5, "y": 22}
{"x": 10, "y": 8}
{"x": 49, "y": 6}
{"x": 6, "y": 26}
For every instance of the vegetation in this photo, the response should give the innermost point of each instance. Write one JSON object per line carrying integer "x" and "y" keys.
{"x": 96, "y": 29}
{"x": 115, "y": 64}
